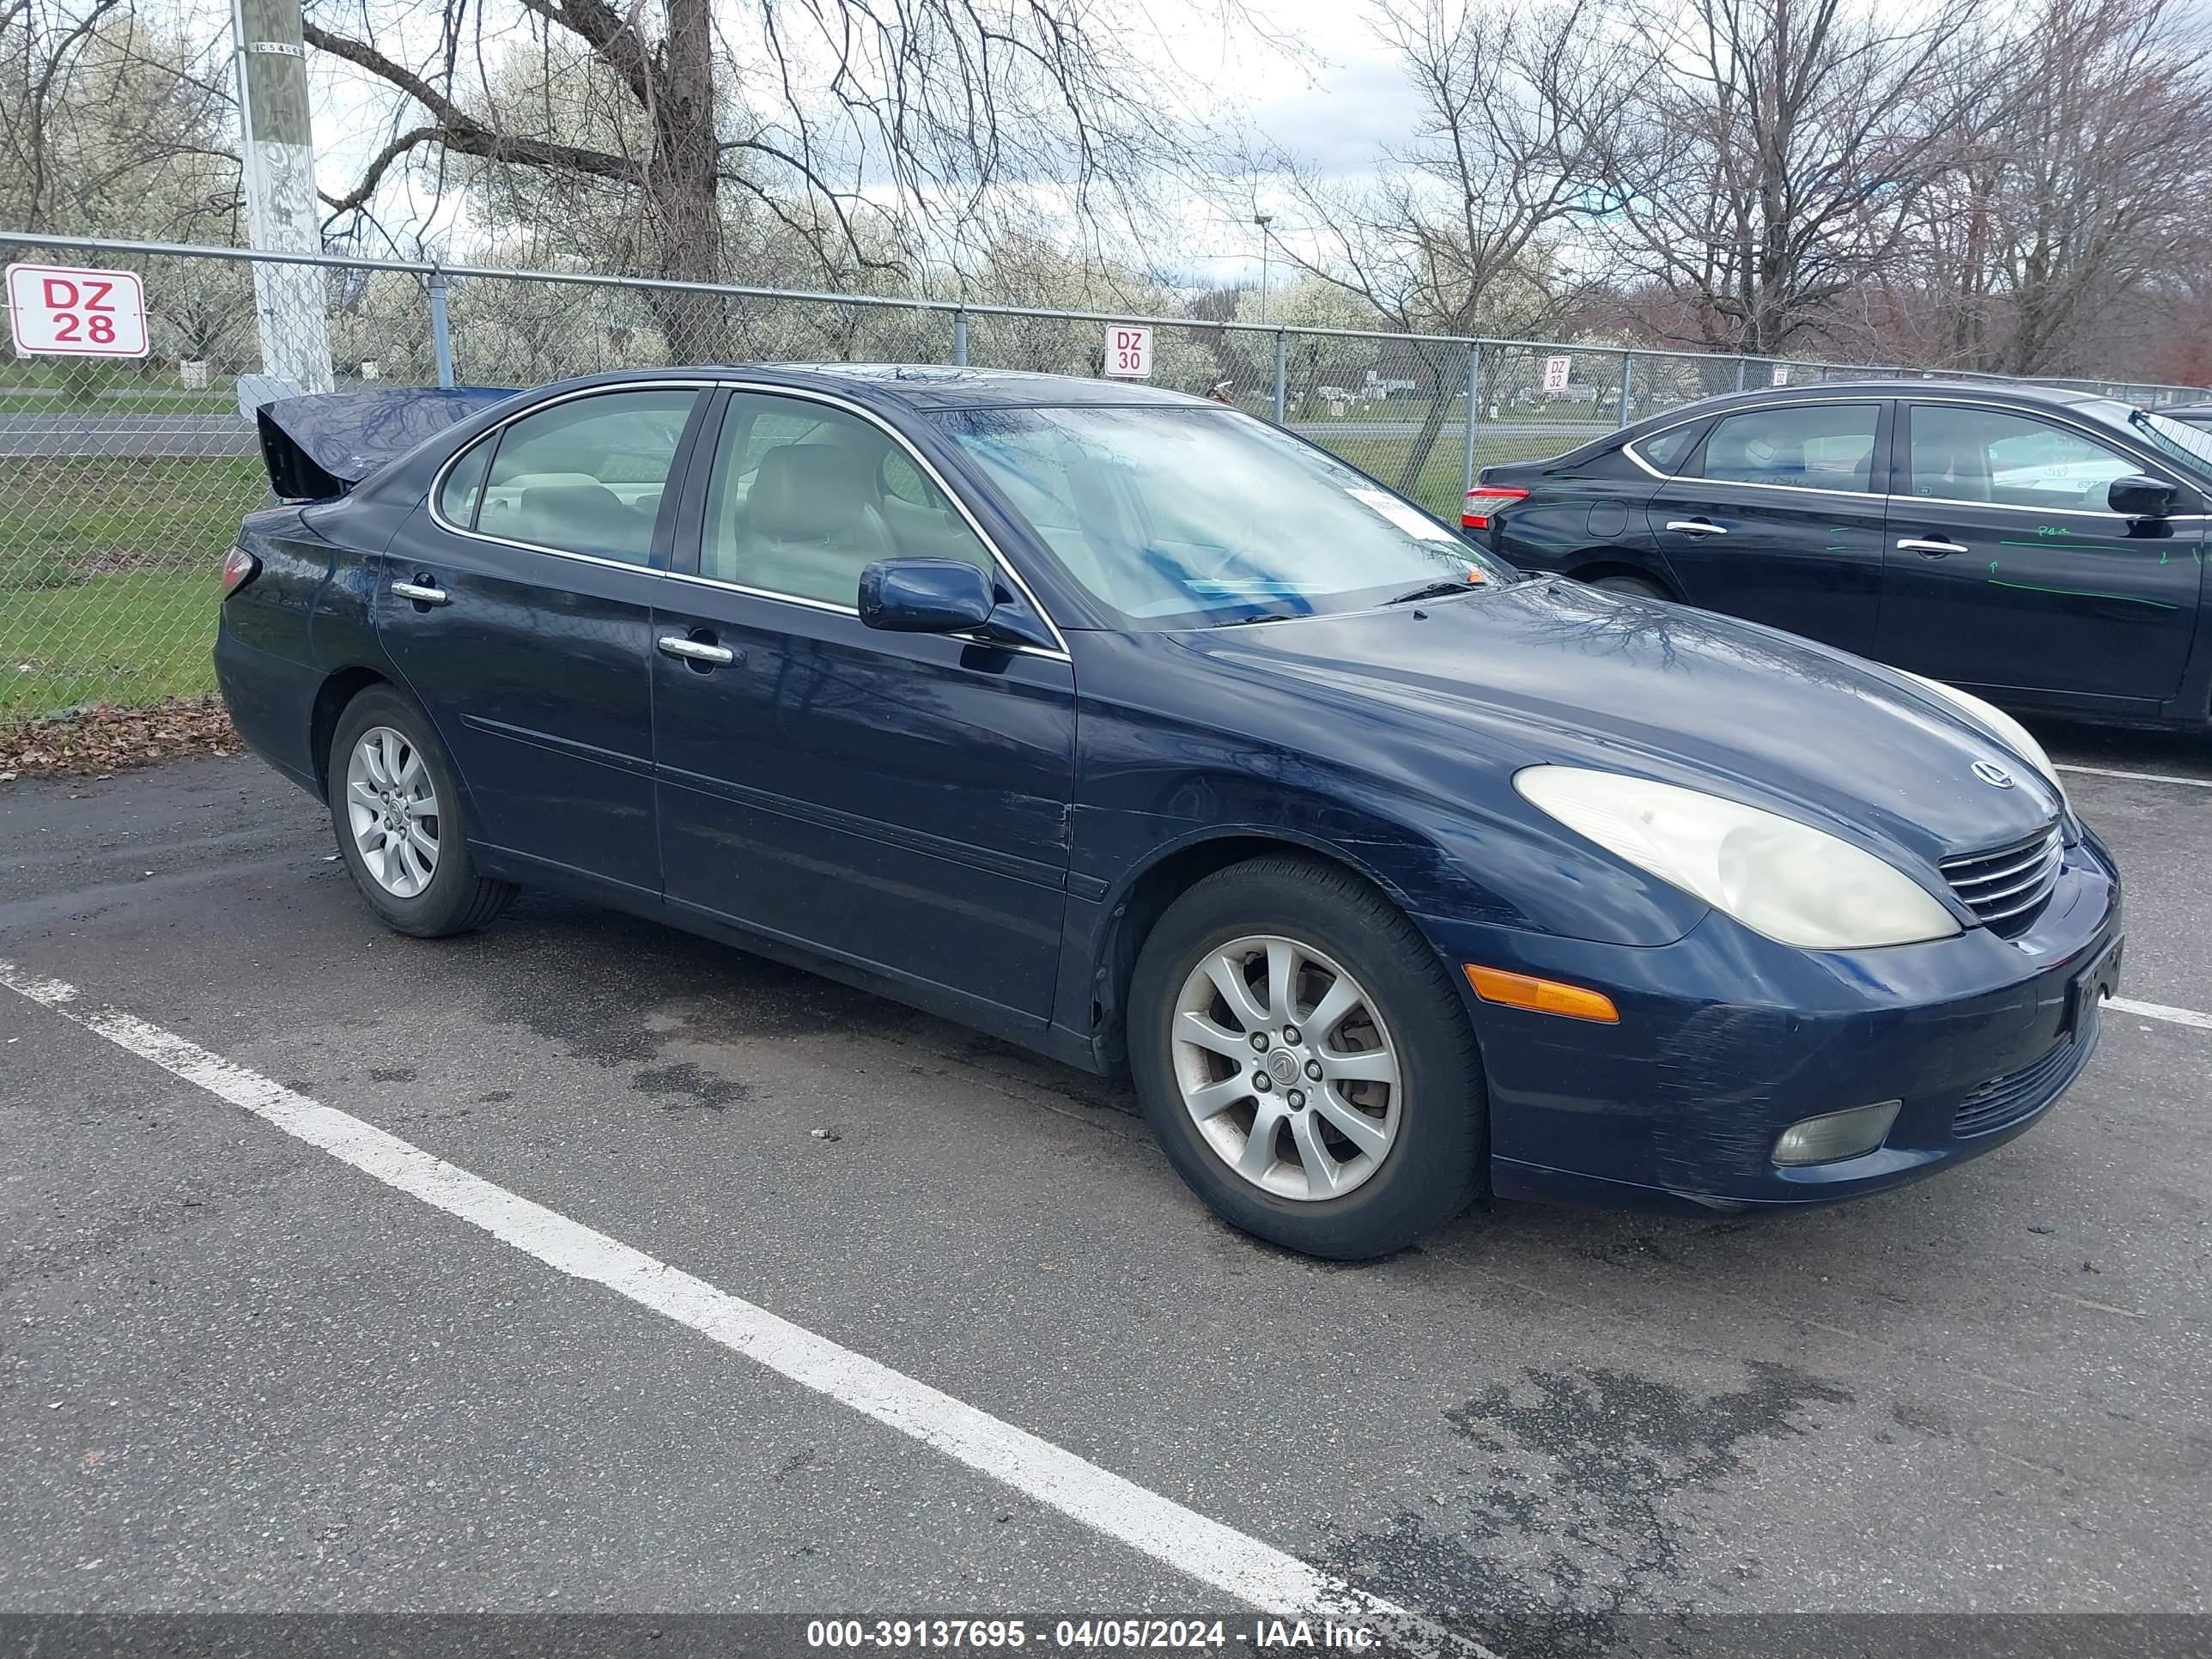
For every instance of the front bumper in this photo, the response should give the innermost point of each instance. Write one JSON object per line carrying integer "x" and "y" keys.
{"x": 1726, "y": 1038}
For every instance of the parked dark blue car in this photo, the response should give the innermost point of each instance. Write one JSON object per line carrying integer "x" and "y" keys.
{"x": 2045, "y": 548}
{"x": 1128, "y": 727}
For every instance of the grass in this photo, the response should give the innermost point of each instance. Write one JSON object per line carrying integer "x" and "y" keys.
{"x": 1437, "y": 488}
{"x": 107, "y": 576}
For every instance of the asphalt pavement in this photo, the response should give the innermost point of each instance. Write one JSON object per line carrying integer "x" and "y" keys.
{"x": 252, "y": 1362}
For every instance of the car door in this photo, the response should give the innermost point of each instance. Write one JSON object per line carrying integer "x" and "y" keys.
{"x": 2006, "y": 568}
{"x": 518, "y": 605}
{"x": 900, "y": 801}
{"x": 1775, "y": 517}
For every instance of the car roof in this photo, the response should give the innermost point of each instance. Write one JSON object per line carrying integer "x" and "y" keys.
{"x": 921, "y": 386}
{"x": 2048, "y": 397}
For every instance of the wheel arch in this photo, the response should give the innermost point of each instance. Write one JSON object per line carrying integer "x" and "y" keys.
{"x": 1135, "y": 906}
{"x": 338, "y": 689}
{"x": 1625, "y": 562}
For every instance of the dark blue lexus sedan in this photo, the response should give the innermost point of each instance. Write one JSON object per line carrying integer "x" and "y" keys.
{"x": 1126, "y": 726}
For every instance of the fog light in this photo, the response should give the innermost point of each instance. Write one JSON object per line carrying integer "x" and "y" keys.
{"x": 1834, "y": 1135}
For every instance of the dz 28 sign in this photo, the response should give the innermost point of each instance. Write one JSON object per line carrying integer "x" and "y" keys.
{"x": 59, "y": 311}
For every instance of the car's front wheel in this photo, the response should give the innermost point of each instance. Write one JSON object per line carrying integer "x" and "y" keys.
{"x": 396, "y": 807}
{"x": 1304, "y": 1062}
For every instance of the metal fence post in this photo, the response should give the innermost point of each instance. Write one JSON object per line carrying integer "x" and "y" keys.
{"x": 442, "y": 332}
{"x": 1282, "y": 372}
{"x": 959, "y": 339}
{"x": 1467, "y": 438}
{"x": 1739, "y": 374}
{"x": 1628, "y": 380}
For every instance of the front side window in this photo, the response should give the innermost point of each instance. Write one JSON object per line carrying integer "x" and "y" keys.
{"x": 1959, "y": 453}
{"x": 1800, "y": 446}
{"x": 803, "y": 497}
{"x": 587, "y": 475}
{"x": 1190, "y": 517}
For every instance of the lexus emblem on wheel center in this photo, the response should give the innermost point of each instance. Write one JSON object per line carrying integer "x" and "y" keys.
{"x": 1993, "y": 774}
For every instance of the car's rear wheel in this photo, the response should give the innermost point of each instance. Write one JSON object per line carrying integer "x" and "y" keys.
{"x": 1636, "y": 585}
{"x": 396, "y": 807}
{"x": 1304, "y": 1062}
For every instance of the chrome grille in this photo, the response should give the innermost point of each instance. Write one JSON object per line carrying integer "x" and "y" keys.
{"x": 2005, "y": 886}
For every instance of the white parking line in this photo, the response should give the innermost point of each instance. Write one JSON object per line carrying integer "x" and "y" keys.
{"x": 2135, "y": 777}
{"x": 2160, "y": 1011}
{"x": 1232, "y": 1562}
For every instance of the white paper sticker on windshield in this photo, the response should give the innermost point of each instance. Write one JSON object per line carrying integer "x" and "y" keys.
{"x": 1410, "y": 520}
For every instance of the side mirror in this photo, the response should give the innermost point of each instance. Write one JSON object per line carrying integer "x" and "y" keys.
{"x": 925, "y": 596}
{"x": 2138, "y": 497}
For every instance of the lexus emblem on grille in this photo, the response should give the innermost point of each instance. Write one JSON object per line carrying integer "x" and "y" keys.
{"x": 1993, "y": 774}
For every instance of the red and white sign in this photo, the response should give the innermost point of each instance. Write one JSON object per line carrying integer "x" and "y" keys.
{"x": 1555, "y": 373}
{"x": 1129, "y": 351}
{"x": 61, "y": 311}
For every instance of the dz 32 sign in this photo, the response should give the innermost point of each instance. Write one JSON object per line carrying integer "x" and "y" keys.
{"x": 61, "y": 311}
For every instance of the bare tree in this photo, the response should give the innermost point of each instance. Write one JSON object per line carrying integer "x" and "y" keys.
{"x": 875, "y": 135}
{"x": 1452, "y": 235}
{"x": 109, "y": 124}
{"x": 1772, "y": 154}
{"x": 2092, "y": 187}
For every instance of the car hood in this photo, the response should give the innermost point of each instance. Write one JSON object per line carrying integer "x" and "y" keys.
{"x": 1550, "y": 670}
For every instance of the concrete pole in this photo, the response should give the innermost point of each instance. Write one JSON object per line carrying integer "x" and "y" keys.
{"x": 290, "y": 302}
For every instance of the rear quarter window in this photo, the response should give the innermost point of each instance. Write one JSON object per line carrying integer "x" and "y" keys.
{"x": 463, "y": 489}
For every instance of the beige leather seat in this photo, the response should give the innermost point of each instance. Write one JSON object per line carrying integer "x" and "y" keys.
{"x": 810, "y": 525}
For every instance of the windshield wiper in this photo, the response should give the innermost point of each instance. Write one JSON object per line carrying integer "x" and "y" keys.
{"x": 1435, "y": 591}
{"x": 1264, "y": 616}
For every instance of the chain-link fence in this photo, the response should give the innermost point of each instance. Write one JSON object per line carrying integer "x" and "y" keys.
{"x": 122, "y": 481}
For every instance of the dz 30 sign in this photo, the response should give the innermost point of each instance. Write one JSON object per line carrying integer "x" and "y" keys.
{"x": 61, "y": 311}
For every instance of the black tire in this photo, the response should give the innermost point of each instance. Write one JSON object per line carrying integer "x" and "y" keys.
{"x": 1436, "y": 1164}
{"x": 1636, "y": 585}
{"x": 455, "y": 899}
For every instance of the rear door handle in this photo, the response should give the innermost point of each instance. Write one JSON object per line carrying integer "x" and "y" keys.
{"x": 1933, "y": 549}
{"x": 1696, "y": 527}
{"x": 675, "y": 645}
{"x": 421, "y": 593}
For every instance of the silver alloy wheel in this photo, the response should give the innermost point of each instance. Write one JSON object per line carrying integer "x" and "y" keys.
{"x": 1286, "y": 1067}
{"x": 393, "y": 812}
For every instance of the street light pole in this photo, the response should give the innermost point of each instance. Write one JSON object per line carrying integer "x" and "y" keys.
{"x": 1263, "y": 219}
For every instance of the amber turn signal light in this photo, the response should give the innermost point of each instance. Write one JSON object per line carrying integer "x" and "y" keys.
{"x": 1542, "y": 996}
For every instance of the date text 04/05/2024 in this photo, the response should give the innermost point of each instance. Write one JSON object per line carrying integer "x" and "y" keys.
{"x": 1124, "y": 1635}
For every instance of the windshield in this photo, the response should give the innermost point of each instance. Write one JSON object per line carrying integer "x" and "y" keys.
{"x": 2177, "y": 440}
{"x": 1190, "y": 518}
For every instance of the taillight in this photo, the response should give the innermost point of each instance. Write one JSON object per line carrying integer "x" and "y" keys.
{"x": 1484, "y": 502}
{"x": 239, "y": 568}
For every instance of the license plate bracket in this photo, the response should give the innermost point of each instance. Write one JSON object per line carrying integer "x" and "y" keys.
{"x": 2092, "y": 985}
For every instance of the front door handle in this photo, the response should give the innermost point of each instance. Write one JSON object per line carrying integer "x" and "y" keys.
{"x": 421, "y": 593}
{"x": 1931, "y": 549}
{"x": 1696, "y": 527}
{"x": 702, "y": 651}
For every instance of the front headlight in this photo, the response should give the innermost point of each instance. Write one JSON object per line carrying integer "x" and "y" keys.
{"x": 1795, "y": 884}
{"x": 1999, "y": 725}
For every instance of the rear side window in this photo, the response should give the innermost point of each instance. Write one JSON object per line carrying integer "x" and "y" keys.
{"x": 1667, "y": 450}
{"x": 458, "y": 496}
{"x": 1964, "y": 454}
{"x": 587, "y": 475}
{"x": 1803, "y": 446}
